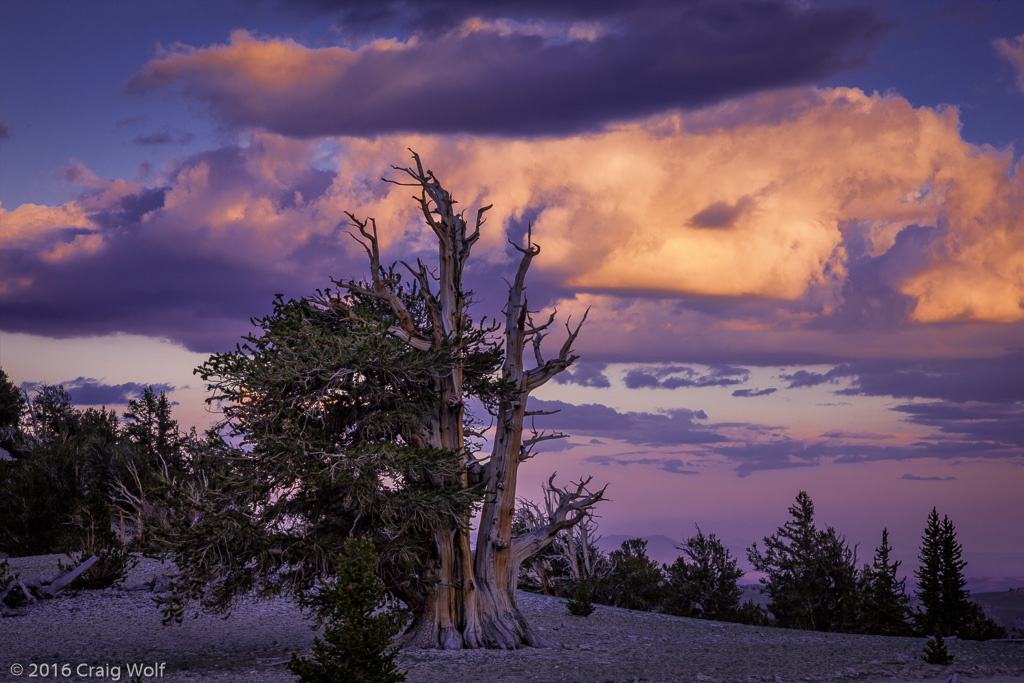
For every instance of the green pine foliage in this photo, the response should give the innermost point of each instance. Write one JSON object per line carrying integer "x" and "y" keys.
{"x": 935, "y": 652}
{"x": 581, "y": 603}
{"x": 944, "y": 601}
{"x": 703, "y": 582}
{"x": 635, "y": 582}
{"x": 12, "y": 403}
{"x": 811, "y": 573}
{"x": 326, "y": 417}
{"x": 884, "y": 600}
{"x": 752, "y": 614}
{"x": 979, "y": 626}
{"x": 359, "y": 625}
{"x": 96, "y": 537}
{"x": 65, "y": 464}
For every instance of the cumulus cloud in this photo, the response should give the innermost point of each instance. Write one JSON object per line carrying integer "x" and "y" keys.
{"x": 497, "y": 74}
{"x": 190, "y": 260}
{"x": 857, "y": 207}
{"x": 1012, "y": 50}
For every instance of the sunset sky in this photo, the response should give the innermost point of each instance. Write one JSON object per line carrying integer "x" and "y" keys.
{"x": 798, "y": 224}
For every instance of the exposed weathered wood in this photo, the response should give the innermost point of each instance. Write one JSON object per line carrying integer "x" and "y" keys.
{"x": 474, "y": 601}
{"x": 53, "y": 588}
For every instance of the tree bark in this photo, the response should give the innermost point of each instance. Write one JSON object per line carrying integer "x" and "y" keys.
{"x": 473, "y": 603}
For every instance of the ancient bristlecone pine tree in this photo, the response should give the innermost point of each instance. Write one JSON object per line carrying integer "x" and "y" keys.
{"x": 473, "y": 603}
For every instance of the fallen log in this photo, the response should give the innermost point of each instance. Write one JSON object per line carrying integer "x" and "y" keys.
{"x": 65, "y": 580}
{"x": 43, "y": 587}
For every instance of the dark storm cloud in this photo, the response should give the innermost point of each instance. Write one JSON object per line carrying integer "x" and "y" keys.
{"x": 88, "y": 391}
{"x": 787, "y": 453}
{"x": 5, "y": 129}
{"x": 649, "y": 429}
{"x": 674, "y": 377}
{"x": 534, "y": 78}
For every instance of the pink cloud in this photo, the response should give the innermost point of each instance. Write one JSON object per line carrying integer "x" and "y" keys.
{"x": 1012, "y": 50}
{"x": 491, "y": 72}
{"x": 806, "y": 214}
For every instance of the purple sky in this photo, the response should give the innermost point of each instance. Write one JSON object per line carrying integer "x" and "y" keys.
{"x": 799, "y": 226}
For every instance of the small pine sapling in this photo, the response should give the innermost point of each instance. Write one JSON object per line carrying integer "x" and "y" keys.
{"x": 359, "y": 626}
{"x": 935, "y": 652}
{"x": 580, "y": 604}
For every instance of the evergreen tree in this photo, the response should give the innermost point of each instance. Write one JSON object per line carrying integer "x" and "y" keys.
{"x": 360, "y": 626}
{"x": 935, "y": 652}
{"x": 811, "y": 574}
{"x": 348, "y": 413}
{"x": 703, "y": 582}
{"x": 580, "y": 604}
{"x": 148, "y": 425}
{"x": 944, "y": 602}
{"x": 885, "y": 603}
{"x": 955, "y": 597}
{"x": 11, "y": 406}
{"x": 66, "y": 463}
{"x": 636, "y": 582}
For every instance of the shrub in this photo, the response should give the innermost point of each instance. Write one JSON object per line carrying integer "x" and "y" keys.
{"x": 752, "y": 614}
{"x": 96, "y": 538}
{"x": 979, "y": 626}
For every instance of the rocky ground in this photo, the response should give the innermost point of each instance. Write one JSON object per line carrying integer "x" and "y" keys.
{"x": 99, "y": 633}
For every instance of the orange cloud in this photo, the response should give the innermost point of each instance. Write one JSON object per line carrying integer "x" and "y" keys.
{"x": 627, "y": 209}
{"x": 755, "y": 198}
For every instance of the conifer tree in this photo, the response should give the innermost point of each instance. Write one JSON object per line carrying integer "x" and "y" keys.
{"x": 360, "y": 628}
{"x": 885, "y": 603}
{"x": 940, "y": 580}
{"x": 935, "y": 652}
{"x": 811, "y": 573}
{"x": 580, "y": 604}
{"x": 702, "y": 582}
{"x": 636, "y": 580}
{"x": 955, "y": 598}
{"x": 348, "y": 413}
{"x": 11, "y": 406}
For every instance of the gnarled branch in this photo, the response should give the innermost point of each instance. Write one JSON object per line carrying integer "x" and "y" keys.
{"x": 572, "y": 507}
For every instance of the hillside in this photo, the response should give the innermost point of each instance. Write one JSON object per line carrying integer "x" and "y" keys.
{"x": 115, "y": 627}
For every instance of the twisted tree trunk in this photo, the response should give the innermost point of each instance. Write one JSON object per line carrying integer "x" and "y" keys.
{"x": 473, "y": 603}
